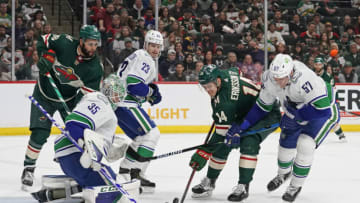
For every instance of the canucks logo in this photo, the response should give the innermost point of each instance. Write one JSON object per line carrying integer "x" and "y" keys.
{"x": 67, "y": 75}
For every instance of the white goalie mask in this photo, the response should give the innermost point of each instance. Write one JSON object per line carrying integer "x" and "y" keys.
{"x": 155, "y": 37}
{"x": 281, "y": 66}
{"x": 114, "y": 89}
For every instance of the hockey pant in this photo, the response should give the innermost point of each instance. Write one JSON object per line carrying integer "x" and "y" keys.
{"x": 138, "y": 126}
{"x": 298, "y": 144}
{"x": 40, "y": 126}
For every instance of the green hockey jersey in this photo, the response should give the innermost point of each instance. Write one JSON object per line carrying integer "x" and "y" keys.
{"x": 70, "y": 72}
{"x": 234, "y": 99}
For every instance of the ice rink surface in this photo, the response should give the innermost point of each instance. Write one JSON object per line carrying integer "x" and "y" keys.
{"x": 334, "y": 177}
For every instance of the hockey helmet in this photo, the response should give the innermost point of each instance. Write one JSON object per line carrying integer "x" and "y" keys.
{"x": 281, "y": 66}
{"x": 208, "y": 73}
{"x": 114, "y": 89}
{"x": 153, "y": 36}
{"x": 89, "y": 32}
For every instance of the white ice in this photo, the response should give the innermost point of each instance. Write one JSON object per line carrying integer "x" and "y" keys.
{"x": 333, "y": 178}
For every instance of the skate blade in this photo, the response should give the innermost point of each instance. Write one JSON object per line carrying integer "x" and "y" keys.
{"x": 147, "y": 190}
{"x": 202, "y": 195}
{"x": 69, "y": 200}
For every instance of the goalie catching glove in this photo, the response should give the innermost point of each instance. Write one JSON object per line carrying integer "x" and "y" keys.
{"x": 199, "y": 159}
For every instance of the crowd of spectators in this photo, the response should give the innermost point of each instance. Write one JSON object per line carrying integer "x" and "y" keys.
{"x": 228, "y": 33}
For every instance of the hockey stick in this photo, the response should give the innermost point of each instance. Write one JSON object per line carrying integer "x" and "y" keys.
{"x": 102, "y": 170}
{"x": 194, "y": 170}
{"x": 140, "y": 158}
{"x": 57, "y": 91}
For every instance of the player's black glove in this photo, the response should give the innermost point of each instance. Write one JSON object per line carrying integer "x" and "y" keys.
{"x": 155, "y": 97}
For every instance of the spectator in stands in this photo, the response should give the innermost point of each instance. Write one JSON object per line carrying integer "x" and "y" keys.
{"x": 180, "y": 55}
{"x": 129, "y": 49}
{"x": 296, "y": 28}
{"x": 309, "y": 37}
{"x": 274, "y": 36}
{"x": 189, "y": 64}
{"x": 327, "y": 8}
{"x": 137, "y": 11}
{"x": 194, "y": 75}
{"x": 240, "y": 25}
{"x": 208, "y": 58}
{"x": 213, "y": 10}
{"x": 3, "y": 37}
{"x": 357, "y": 26}
{"x": 25, "y": 42}
{"x": 207, "y": 44}
{"x": 195, "y": 9}
{"x": 126, "y": 20}
{"x": 324, "y": 43}
{"x": 281, "y": 48}
{"x": 6, "y": 57}
{"x": 149, "y": 19}
{"x": 165, "y": 17}
{"x": 221, "y": 22}
{"x": 348, "y": 74}
{"x": 189, "y": 43}
{"x": 47, "y": 29}
{"x": 167, "y": 66}
{"x": 306, "y": 8}
{"x": 204, "y": 4}
{"x": 254, "y": 27}
{"x": 188, "y": 20}
{"x": 219, "y": 56}
{"x": 319, "y": 26}
{"x": 344, "y": 42}
{"x": 230, "y": 62}
{"x": 38, "y": 28}
{"x": 346, "y": 23}
{"x": 38, "y": 16}
{"x": 118, "y": 5}
{"x": 231, "y": 12}
{"x": 206, "y": 26}
{"x": 256, "y": 53}
{"x": 281, "y": 24}
{"x": 20, "y": 28}
{"x": 357, "y": 41}
{"x": 330, "y": 33}
{"x": 241, "y": 49}
{"x": 353, "y": 56}
{"x": 5, "y": 18}
{"x": 179, "y": 74}
{"x": 247, "y": 67}
{"x": 175, "y": 28}
{"x": 177, "y": 10}
{"x": 29, "y": 9}
{"x": 199, "y": 56}
{"x": 94, "y": 11}
{"x": 30, "y": 70}
{"x": 105, "y": 18}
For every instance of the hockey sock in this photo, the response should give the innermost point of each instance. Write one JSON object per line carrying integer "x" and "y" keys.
{"x": 285, "y": 159}
{"x": 305, "y": 154}
{"x": 37, "y": 140}
{"x": 247, "y": 165}
{"x": 215, "y": 167}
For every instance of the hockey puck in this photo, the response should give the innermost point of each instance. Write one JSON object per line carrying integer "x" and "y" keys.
{"x": 176, "y": 200}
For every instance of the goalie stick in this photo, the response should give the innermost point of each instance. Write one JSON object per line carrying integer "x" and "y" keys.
{"x": 102, "y": 170}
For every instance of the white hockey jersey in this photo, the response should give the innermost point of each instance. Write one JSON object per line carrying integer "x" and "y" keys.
{"x": 95, "y": 111}
{"x": 305, "y": 88}
{"x": 139, "y": 66}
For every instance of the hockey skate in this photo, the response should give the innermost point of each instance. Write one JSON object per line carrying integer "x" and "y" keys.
{"x": 146, "y": 185}
{"x": 204, "y": 189}
{"x": 342, "y": 138}
{"x": 291, "y": 193}
{"x": 277, "y": 181}
{"x": 27, "y": 178}
{"x": 240, "y": 192}
{"x": 49, "y": 194}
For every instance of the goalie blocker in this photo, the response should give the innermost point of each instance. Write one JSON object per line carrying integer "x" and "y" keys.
{"x": 61, "y": 188}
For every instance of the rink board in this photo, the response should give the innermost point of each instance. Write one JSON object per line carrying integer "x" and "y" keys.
{"x": 185, "y": 108}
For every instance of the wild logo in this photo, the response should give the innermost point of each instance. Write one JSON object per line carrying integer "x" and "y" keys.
{"x": 67, "y": 75}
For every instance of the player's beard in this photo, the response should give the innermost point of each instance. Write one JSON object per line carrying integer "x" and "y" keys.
{"x": 85, "y": 52}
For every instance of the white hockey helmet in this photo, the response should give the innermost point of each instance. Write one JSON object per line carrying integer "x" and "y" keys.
{"x": 114, "y": 89}
{"x": 281, "y": 66}
{"x": 153, "y": 36}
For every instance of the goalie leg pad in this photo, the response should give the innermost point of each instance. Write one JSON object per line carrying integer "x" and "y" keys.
{"x": 109, "y": 193}
{"x": 304, "y": 158}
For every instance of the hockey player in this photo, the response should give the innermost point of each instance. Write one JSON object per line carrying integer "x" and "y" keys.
{"x": 320, "y": 71}
{"x": 74, "y": 66}
{"x": 138, "y": 70}
{"x": 92, "y": 119}
{"x": 231, "y": 98}
{"x": 310, "y": 113}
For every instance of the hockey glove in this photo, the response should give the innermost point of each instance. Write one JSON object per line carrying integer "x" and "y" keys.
{"x": 293, "y": 111}
{"x": 86, "y": 159}
{"x": 199, "y": 159}
{"x": 46, "y": 61}
{"x": 288, "y": 123}
{"x": 233, "y": 135}
{"x": 155, "y": 97}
